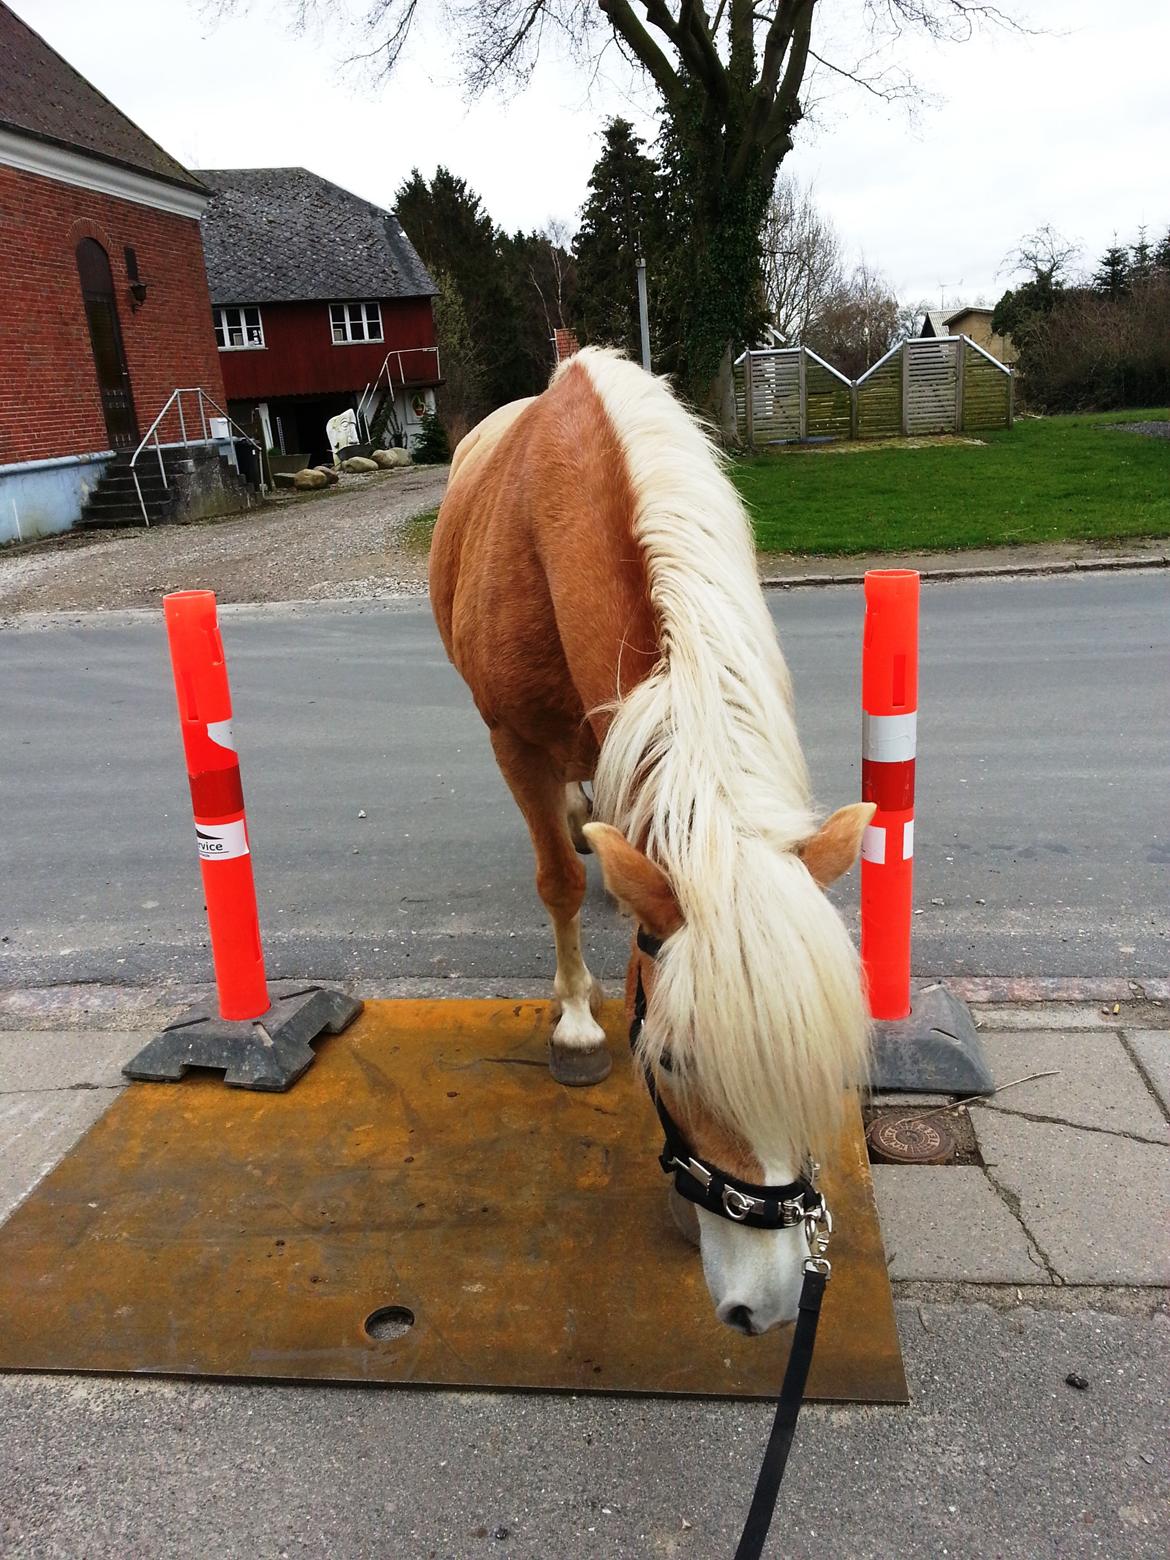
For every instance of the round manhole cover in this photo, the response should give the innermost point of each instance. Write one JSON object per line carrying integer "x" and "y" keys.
{"x": 899, "y": 1139}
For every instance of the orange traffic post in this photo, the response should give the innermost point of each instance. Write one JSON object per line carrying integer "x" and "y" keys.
{"x": 924, "y": 1037}
{"x": 889, "y": 741}
{"x": 221, "y": 830}
{"x": 259, "y": 1044}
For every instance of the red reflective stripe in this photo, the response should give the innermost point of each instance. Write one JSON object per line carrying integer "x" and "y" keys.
{"x": 217, "y": 793}
{"x": 891, "y": 786}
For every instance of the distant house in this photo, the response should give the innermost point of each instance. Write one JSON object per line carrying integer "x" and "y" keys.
{"x": 103, "y": 295}
{"x": 933, "y": 324}
{"x": 320, "y": 304}
{"x": 976, "y": 323}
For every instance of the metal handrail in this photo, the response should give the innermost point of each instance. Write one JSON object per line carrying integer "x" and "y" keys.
{"x": 203, "y": 400}
{"x": 384, "y": 372}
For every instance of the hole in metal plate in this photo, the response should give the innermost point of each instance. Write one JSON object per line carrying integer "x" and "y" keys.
{"x": 389, "y": 1322}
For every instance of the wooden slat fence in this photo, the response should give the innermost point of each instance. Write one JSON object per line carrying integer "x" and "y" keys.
{"x": 945, "y": 384}
{"x": 786, "y": 394}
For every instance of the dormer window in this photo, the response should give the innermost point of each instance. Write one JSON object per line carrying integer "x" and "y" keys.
{"x": 353, "y": 322}
{"x": 237, "y": 329}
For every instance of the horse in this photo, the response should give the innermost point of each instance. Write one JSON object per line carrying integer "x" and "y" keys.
{"x": 593, "y": 578}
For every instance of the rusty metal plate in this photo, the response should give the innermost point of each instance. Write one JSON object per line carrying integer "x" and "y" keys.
{"x": 427, "y": 1162}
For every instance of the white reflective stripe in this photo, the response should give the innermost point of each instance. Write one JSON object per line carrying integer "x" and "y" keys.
{"x": 889, "y": 739}
{"x": 908, "y": 840}
{"x": 873, "y": 844}
{"x": 220, "y": 732}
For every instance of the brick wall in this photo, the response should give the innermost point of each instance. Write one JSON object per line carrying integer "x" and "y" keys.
{"x": 49, "y": 399}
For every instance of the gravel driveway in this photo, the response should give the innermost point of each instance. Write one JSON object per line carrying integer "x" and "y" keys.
{"x": 346, "y": 541}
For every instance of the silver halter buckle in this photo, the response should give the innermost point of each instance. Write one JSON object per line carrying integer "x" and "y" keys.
{"x": 737, "y": 1205}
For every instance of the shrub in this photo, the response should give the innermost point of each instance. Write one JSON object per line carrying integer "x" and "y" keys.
{"x": 432, "y": 448}
{"x": 1094, "y": 351}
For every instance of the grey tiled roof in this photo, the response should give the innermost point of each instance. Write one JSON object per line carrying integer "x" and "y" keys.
{"x": 273, "y": 235}
{"x": 41, "y": 95}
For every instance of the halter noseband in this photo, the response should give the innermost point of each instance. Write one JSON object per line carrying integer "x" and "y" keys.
{"x": 759, "y": 1207}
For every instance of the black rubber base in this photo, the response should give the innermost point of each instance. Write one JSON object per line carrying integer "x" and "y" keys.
{"x": 269, "y": 1053}
{"x": 936, "y": 1050}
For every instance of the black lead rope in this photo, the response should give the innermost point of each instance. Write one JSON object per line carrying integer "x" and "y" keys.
{"x": 759, "y": 1517}
{"x": 771, "y": 1208}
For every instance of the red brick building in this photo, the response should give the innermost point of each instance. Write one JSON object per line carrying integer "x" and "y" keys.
{"x": 104, "y": 308}
{"x": 320, "y": 304}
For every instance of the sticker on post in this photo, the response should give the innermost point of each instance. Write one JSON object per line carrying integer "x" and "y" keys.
{"x": 221, "y": 841}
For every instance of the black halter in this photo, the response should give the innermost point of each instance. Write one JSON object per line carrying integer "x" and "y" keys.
{"x": 719, "y": 1192}
{"x": 766, "y": 1208}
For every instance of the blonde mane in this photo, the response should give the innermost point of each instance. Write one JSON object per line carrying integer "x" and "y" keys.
{"x": 758, "y": 995}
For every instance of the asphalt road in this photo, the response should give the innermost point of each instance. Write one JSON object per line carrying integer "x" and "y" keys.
{"x": 997, "y": 1456}
{"x": 1041, "y": 842}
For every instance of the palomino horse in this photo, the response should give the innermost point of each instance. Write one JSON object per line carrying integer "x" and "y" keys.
{"x": 594, "y": 580}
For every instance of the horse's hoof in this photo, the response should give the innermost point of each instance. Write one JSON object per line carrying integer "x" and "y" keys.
{"x": 684, "y": 1216}
{"x": 576, "y": 1068}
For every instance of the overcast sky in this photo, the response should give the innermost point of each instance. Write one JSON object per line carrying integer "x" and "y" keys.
{"x": 1071, "y": 126}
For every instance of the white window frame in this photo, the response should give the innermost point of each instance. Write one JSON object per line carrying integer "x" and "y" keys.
{"x": 242, "y": 326}
{"x": 346, "y": 317}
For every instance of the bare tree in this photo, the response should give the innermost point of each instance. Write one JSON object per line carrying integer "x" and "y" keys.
{"x": 858, "y": 322}
{"x": 802, "y": 258}
{"x": 730, "y": 75}
{"x": 1045, "y": 255}
{"x": 552, "y": 277}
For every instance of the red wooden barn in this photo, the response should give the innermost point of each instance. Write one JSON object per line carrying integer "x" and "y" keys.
{"x": 320, "y": 305}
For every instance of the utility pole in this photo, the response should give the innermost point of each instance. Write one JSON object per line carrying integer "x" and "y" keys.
{"x": 643, "y": 313}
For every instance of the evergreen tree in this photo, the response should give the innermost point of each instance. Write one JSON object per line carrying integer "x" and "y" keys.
{"x": 1112, "y": 275}
{"x": 452, "y": 232}
{"x": 462, "y": 396}
{"x": 1162, "y": 253}
{"x": 1141, "y": 258}
{"x": 619, "y": 217}
{"x": 1019, "y": 306}
{"x": 432, "y": 447}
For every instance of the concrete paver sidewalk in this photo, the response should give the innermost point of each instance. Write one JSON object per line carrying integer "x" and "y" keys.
{"x": 1046, "y": 1259}
{"x": 1075, "y": 1177}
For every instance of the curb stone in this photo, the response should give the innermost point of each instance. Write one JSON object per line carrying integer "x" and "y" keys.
{"x": 986, "y": 572}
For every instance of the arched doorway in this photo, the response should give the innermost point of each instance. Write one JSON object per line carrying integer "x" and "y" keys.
{"x": 105, "y": 335}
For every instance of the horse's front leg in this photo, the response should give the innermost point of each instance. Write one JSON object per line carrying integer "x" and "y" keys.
{"x": 577, "y": 1053}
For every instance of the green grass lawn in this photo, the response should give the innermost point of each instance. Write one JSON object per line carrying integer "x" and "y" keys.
{"x": 417, "y": 532}
{"x": 1046, "y": 480}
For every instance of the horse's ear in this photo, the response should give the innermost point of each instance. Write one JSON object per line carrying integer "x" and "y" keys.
{"x": 833, "y": 848}
{"x": 634, "y": 881}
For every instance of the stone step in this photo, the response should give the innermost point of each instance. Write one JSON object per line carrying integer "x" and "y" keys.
{"x": 104, "y": 512}
{"x": 120, "y": 484}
